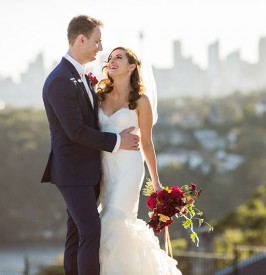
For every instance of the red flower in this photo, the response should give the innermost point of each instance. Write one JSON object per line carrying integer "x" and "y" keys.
{"x": 164, "y": 209}
{"x": 176, "y": 192}
{"x": 151, "y": 202}
{"x": 176, "y": 202}
{"x": 159, "y": 209}
{"x": 164, "y": 196}
{"x": 93, "y": 79}
{"x": 193, "y": 186}
{"x": 184, "y": 211}
{"x": 155, "y": 225}
{"x": 169, "y": 222}
{"x": 173, "y": 211}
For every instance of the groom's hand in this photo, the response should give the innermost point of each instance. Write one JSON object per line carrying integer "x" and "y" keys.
{"x": 129, "y": 141}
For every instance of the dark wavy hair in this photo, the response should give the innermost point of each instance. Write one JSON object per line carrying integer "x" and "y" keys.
{"x": 106, "y": 85}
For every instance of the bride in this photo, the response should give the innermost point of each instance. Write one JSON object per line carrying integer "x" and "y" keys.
{"x": 128, "y": 246}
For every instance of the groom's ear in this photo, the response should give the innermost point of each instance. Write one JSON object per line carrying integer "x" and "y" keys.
{"x": 80, "y": 39}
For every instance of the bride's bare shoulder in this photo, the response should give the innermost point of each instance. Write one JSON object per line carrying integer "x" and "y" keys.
{"x": 143, "y": 101}
{"x": 144, "y": 106}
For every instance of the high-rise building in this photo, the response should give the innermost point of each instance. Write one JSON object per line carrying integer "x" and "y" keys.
{"x": 213, "y": 58}
{"x": 262, "y": 51}
{"x": 177, "y": 53}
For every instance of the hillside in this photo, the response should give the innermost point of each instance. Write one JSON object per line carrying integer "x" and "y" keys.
{"x": 219, "y": 144}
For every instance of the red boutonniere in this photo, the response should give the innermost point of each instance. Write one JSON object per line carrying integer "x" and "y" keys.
{"x": 93, "y": 79}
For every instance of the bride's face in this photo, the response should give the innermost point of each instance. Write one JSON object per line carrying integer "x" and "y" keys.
{"x": 118, "y": 64}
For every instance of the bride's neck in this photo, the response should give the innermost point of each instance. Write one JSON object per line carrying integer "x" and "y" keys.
{"x": 122, "y": 89}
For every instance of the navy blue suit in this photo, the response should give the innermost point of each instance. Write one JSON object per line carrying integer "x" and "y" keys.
{"x": 74, "y": 163}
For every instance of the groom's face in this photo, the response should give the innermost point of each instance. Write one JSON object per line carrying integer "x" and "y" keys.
{"x": 92, "y": 44}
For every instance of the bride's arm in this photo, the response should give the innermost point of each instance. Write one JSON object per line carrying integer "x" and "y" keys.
{"x": 145, "y": 125}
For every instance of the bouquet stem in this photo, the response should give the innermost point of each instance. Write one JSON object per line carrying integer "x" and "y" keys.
{"x": 167, "y": 242}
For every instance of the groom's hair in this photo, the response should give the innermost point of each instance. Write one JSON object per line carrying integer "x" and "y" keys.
{"x": 82, "y": 24}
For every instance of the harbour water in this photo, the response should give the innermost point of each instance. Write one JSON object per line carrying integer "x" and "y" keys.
{"x": 13, "y": 259}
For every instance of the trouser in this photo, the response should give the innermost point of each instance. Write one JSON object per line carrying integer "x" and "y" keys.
{"x": 81, "y": 256}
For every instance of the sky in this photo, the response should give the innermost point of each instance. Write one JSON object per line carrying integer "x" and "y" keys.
{"x": 29, "y": 27}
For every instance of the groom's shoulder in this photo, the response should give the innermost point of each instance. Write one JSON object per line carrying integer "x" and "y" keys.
{"x": 60, "y": 71}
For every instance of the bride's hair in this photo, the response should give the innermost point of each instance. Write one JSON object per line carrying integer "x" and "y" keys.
{"x": 106, "y": 85}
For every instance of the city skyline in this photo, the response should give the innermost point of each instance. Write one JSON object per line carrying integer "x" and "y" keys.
{"x": 222, "y": 77}
{"x": 41, "y": 27}
{"x": 212, "y": 54}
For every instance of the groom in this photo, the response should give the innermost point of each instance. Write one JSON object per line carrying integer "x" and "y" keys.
{"x": 76, "y": 141}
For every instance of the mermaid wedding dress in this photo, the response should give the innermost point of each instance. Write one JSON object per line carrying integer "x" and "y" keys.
{"x": 128, "y": 246}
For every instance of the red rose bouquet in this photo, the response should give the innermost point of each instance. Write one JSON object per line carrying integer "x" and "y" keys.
{"x": 176, "y": 202}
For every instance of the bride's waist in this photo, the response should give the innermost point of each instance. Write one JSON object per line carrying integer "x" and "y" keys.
{"x": 123, "y": 152}
{"x": 119, "y": 130}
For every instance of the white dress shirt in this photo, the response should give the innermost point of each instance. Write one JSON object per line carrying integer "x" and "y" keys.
{"x": 81, "y": 70}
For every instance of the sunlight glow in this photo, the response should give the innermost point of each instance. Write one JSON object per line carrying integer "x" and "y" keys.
{"x": 237, "y": 24}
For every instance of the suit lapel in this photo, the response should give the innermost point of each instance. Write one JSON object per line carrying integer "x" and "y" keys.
{"x": 92, "y": 91}
{"x": 81, "y": 84}
{"x": 79, "y": 81}
{"x": 95, "y": 100}
{"x": 83, "y": 91}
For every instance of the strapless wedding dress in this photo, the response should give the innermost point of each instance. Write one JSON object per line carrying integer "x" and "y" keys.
{"x": 128, "y": 246}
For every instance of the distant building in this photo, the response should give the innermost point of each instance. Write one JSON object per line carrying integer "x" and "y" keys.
{"x": 184, "y": 78}
{"x": 222, "y": 77}
{"x": 260, "y": 108}
{"x": 28, "y": 92}
{"x": 214, "y": 63}
{"x": 262, "y": 52}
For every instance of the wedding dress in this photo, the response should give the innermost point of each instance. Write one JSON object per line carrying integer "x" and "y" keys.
{"x": 128, "y": 245}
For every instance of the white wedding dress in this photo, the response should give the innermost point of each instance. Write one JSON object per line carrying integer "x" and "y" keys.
{"x": 128, "y": 245}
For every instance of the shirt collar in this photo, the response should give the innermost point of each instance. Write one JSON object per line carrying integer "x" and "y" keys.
{"x": 80, "y": 69}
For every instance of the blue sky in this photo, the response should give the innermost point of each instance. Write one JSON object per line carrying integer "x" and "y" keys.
{"x": 28, "y": 27}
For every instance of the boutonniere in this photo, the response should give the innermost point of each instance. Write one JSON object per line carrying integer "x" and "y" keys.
{"x": 93, "y": 79}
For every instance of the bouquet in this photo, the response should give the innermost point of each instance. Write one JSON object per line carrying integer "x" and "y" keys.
{"x": 176, "y": 202}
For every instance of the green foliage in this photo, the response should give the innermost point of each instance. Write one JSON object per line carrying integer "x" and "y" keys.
{"x": 222, "y": 191}
{"x": 179, "y": 244}
{"x": 30, "y": 210}
{"x": 51, "y": 270}
{"x": 55, "y": 268}
{"x": 187, "y": 224}
{"x": 245, "y": 225}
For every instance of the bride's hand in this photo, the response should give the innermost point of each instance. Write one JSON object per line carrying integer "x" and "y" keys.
{"x": 158, "y": 187}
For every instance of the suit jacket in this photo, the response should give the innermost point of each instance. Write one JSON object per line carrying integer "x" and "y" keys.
{"x": 76, "y": 139}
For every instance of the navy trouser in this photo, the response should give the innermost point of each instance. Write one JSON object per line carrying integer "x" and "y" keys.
{"x": 82, "y": 245}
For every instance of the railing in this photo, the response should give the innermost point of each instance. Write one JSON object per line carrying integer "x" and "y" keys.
{"x": 246, "y": 260}
{"x": 32, "y": 266}
{"x": 202, "y": 263}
